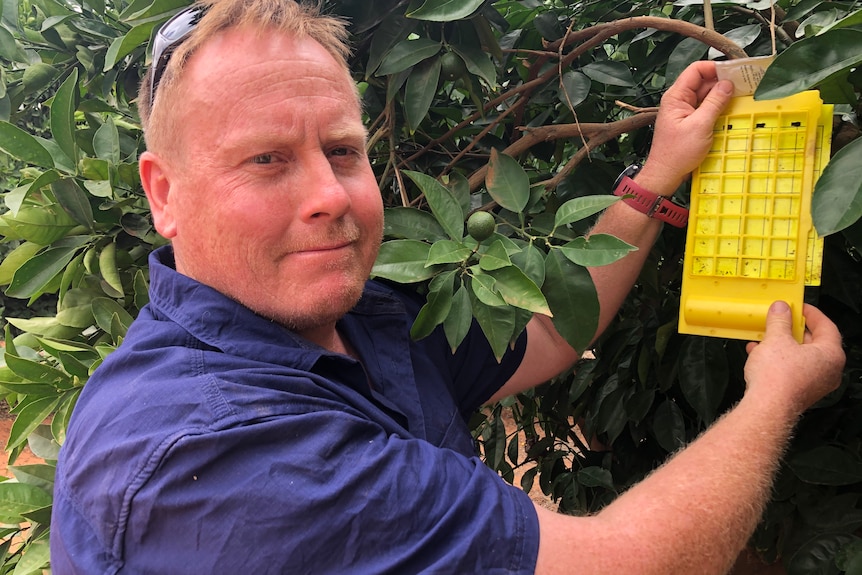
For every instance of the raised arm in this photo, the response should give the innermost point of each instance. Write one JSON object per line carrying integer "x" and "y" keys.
{"x": 683, "y": 135}
{"x": 695, "y": 514}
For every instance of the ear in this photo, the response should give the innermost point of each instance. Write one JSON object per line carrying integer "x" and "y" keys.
{"x": 157, "y": 184}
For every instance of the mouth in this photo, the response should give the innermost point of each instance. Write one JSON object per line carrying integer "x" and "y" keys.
{"x": 325, "y": 248}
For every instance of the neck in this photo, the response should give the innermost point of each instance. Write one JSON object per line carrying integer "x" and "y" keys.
{"x": 329, "y": 338}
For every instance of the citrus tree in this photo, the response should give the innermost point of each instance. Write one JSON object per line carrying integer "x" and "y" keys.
{"x": 496, "y": 130}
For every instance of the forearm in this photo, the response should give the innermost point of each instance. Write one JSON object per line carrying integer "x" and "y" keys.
{"x": 692, "y": 515}
{"x": 614, "y": 281}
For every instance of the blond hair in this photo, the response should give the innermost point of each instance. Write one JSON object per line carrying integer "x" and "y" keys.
{"x": 286, "y": 16}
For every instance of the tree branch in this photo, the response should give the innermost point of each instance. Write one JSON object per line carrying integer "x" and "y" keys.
{"x": 593, "y": 134}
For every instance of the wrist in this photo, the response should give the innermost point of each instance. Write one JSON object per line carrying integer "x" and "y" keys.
{"x": 657, "y": 179}
{"x": 646, "y": 201}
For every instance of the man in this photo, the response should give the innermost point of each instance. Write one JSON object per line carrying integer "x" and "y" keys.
{"x": 268, "y": 413}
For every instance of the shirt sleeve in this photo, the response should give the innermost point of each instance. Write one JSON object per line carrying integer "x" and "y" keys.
{"x": 325, "y": 492}
{"x": 475, "y": 372}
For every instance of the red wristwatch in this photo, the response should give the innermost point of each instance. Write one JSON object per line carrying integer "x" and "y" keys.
{"x": 653, "y": 205}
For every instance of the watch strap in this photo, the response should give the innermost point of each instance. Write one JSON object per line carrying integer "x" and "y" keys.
{"x": 651, "y": 204}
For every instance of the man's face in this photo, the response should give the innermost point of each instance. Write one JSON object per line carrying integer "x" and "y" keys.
{"x": 272, "y": 200}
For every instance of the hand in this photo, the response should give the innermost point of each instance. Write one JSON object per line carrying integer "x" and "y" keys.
{"x": 796, "y": 375}
{"x": 683, "y": 130}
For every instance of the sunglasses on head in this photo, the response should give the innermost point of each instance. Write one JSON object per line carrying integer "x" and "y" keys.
{"x": 166, "y": 40}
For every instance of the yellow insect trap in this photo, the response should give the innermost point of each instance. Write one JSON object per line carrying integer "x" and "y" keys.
{"x": 750, "y": 239}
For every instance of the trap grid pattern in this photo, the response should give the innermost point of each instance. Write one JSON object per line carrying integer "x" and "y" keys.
{"x": 750, "y": 197}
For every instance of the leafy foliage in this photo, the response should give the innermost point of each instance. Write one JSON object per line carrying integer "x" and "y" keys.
{"x": 512, "y": 107}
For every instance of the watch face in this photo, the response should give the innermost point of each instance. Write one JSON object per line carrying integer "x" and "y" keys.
{"x": 630, "y": 172}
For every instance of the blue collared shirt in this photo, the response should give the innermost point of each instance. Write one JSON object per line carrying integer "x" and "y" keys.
{"x": 216, "y": 441}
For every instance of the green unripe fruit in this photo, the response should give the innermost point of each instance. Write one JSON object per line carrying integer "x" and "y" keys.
{"x": 452, "y": 66}
{"x": 480, "y": 225}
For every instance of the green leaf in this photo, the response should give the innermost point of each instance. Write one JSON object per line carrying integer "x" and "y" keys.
{"x": 9, "y": 49}
{"x": 15, "y": 259}
{"x": 63, "y": 116}
{"x": 809, "y": 62}
{"x": 392, "y": 30}
{"x": 38, "y": 77}
{"x": 445, "y": 10}
{"x": 420, "y": 91}
{"x": 74, "y": 201}
{"x": 495, "y": 257}
{"x": 456, "y": 183}
{"x": 575, "y": 88}
{"x": 412, "y": 224}
{"x": 42, "y": 443}
{"x": 142, "y": 290}
{"x": 743, "y": 37}
{"x": 29, "y": 418}
{"x": 76, "y": 308}
{"x": 124, "y": 45}
{"x": 817, "y": 555}
{"x": 853, "y": 20}
{"x": 457, "y": 323}
{"x": 596, "y": 477}
{"x": 610, "y": 73}
{"x": 107, "y": 311}
{"x": 38, "y": 474}
{"x": 47, "y": 326}
{"x": 39, "y": 270}
{"x": 519, "y": 290}
{"x": 108, "y": 269}
{"x": 41, "y": 225}
{"x": 669, "y": 426}
{"x": 436, "y": 309}
{"x": 581, "y": 208}
{"x": 403, "y": 261}
{"x": 443, "y": 203}
{"x": 497, "y": 323}
{"x": 106, "y": 142}
{"x": 484, "y": 288}
{"x": 154, "y": 10}
{"x": 531, "y": 261}
{"x": 827, "y": 465}
{"x": 407, "y": 53}
{"x": 447, "y": 252}
{"x": 45, "y": 179}
{"x": 572, "y": 298}
{"x": 686, "y": 52}
{"x": 478, "y": 62}
{"x": 507, "y": 182}
{"x": 36, "y": 372}
{"x": 837, "y": 200}
{"x": 703, "y": 375}
{"x": 21, "y": 145}
{"x": 16, "y": 499}
{"x": 597, "y": 250}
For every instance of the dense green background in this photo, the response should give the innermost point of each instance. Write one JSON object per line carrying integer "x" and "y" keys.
{"x": 528, "y": 109}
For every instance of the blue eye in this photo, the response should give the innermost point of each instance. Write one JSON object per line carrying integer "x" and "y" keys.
{"x": 262, "y": 159}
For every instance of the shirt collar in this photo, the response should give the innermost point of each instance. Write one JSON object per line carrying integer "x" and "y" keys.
{"x": 221, "y": 322}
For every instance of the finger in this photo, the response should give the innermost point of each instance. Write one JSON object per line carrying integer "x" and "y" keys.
{"x": 716, "y": 100}
{"x": 779, "y": 320}
{"x": 696, "y": 74}
{"x": 821, "y": 327}
{"x": 750, "y": 346}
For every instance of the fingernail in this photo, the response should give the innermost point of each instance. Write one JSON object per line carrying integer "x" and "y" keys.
{"x": 779, "y": 307}
{"x": 726, "y": 86}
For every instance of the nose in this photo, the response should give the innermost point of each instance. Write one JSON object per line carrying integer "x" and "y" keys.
{"x": 323, "y": 193}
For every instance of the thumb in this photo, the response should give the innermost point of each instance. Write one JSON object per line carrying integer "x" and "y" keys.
{"x": 718, "y": 97}
{"x": 779, "y": 320}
